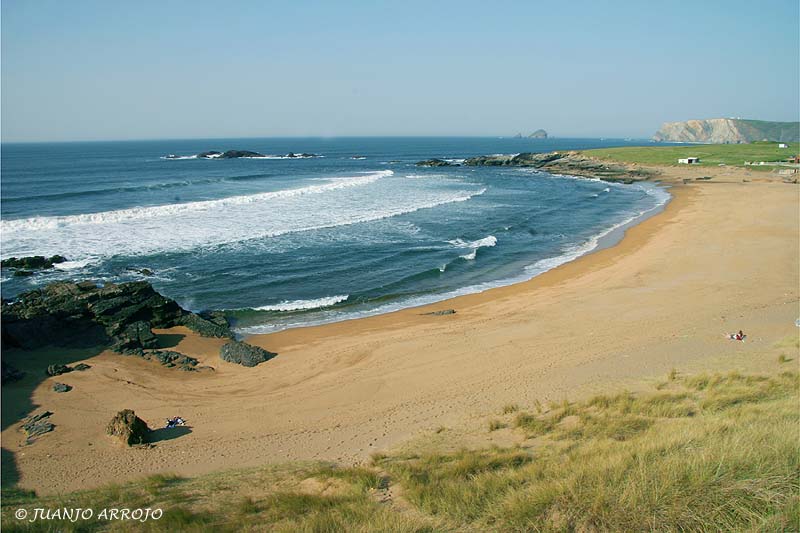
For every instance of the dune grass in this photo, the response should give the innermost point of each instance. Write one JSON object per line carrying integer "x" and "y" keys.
{"x": 711, "y": 452}
{"x": 709, "y": 154}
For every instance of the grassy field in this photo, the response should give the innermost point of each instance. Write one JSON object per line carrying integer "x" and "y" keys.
{"x": 716, "y": 452}
{"x": 709, "y": 154}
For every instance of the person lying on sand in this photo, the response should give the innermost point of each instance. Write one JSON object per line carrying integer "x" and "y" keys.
{"x": 174, "y": 422}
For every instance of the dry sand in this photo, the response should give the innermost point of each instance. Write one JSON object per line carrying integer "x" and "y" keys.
{"x": 723, "y": 256}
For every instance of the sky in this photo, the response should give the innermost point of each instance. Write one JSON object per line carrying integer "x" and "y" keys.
{"x": 99, "y": 70}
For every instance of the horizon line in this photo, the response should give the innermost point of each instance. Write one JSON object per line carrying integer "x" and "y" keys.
{"x": 151, "y": 139}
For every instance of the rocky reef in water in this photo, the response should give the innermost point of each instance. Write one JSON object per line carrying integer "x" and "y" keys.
{"x": 571, "y": 163}
{"x": 237, "y": 154}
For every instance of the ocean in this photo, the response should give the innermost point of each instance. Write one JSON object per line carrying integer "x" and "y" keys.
{"x": 285, "y": 241}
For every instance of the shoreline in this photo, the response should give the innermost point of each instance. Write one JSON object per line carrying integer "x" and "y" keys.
{"x": 661, "y": 298}
{"x": 615, "y": 237}
{"x": 607, "y": 238}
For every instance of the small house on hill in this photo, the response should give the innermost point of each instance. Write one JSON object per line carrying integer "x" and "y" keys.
{"x": 783, "y": 145}
{"x": 689, "y": 160}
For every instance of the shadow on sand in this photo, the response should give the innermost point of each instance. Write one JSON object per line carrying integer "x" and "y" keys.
{"x": 163, "y": 434}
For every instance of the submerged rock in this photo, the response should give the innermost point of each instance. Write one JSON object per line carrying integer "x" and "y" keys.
{"x": 244, "y": 354}
{"x": 128, "y": 428}
{"x": 10, "y": 373}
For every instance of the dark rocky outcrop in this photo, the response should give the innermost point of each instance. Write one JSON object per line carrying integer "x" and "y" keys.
{"x": 244, "y": 354}
{"x": 10, "y": 373}
{"x": 61, "y": 387}
{"x": 37, "y": 425}
{"x": 83, "y": 314}
{"x": 571, "y": 163}
{"x": 434, "y": 163}
{"x": 80, "y": 367}
{"x": 57, "y": 370}
{"x": 35, "y": 262}
{"x": 172, "y": 359}
{"x": 128, "y": 428}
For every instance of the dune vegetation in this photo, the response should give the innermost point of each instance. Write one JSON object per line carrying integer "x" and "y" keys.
{"x": 710, "y": 452}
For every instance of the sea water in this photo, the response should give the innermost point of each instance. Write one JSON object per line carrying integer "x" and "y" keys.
{"x": 284, "y": 241}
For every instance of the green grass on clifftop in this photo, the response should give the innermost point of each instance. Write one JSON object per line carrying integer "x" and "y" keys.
{"x": 709, "y": 154}
{"x": 711, "y": 452}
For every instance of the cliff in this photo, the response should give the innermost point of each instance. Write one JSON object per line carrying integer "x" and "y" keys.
{"x": 728, "y": 130}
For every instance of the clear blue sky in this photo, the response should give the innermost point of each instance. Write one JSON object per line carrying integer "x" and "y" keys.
{"x": 77, "y": 70}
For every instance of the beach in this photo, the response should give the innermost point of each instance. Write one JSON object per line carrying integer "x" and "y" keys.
{"x": 722, "y": 256}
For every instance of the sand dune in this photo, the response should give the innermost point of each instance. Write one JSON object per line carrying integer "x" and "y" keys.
{"x": 723, "y": 256}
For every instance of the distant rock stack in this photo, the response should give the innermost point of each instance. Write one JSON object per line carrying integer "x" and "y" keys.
{"x": 538, "y": 134}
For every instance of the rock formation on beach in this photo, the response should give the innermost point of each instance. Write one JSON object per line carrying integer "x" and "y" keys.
{"x": 128, "y": 428}
{"x": 728, "y": 130}
{"x": 83, "y": 314}
{"x": 572, "y": 163}
{"x": 244, "y": 354}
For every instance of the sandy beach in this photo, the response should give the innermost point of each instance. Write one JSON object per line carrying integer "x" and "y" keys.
{"x": 722, "y": 256}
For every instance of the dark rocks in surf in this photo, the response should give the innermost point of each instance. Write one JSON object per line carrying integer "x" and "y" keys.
{"x": 143, "y": 271}
{"x": 26, "y": 266}
{"x": 434, "y": 163}
{"x": 244, "y": 354}
{"x": 128, "y": 428}
{"x": 80, "y": 315}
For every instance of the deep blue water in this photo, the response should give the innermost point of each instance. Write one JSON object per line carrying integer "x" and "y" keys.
{"x": 296, "y": 241}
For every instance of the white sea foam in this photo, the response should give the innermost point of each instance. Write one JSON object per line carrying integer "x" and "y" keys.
{"x": 489, "y": 240}
{"x": 197, "y": 226}
{"x": 298, "y": 305}
{"x": 75, "y": 265}
{"x": 135, "y": 213}
{"x": 661, "y": 195}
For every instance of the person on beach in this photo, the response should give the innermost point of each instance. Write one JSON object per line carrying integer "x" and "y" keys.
{"x": 737, "y": 336}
